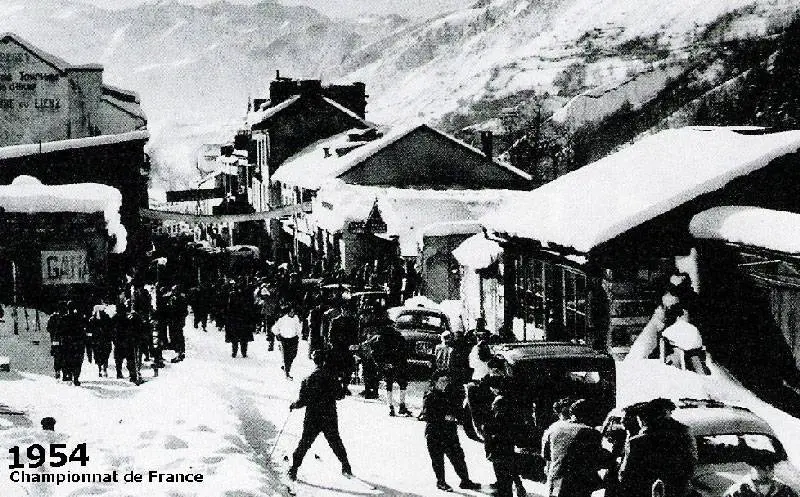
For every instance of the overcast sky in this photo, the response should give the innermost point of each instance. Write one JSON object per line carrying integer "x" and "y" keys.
{"x": 333, "y": 8}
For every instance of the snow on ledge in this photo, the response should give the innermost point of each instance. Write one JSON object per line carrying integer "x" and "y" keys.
{"x": 28, "y": 195}
{"x": 13, "y": 151}
{"x": 606, "y": 198}
{"x": 477, "y": 252}
{"x": 766, "y": 228}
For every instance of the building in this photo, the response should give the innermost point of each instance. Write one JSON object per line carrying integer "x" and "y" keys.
{"x": 482, "y": 290}
{"x": 63, "y": 124}
{"x": 415, "y": 174}
{"x": 57, "y": 240}
{"x": 587, "y": 255}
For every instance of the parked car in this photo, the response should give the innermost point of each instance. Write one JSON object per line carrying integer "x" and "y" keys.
{"x": 422, "y": 328}
{"x": 727, "y": 437}
{"x": 539, "y": 374}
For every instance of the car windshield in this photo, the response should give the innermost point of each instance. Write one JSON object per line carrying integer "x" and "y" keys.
{"x": 736, "y": 447}
{"x": 431, "y": 322}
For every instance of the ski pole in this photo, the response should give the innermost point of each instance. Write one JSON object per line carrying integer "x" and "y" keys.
{"x": 280, "y": 433}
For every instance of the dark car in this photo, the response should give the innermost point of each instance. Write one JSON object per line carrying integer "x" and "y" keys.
{"x": 537, "y": 374}
{"x": 727, "y": 438}
{"x": 422, "y": 328}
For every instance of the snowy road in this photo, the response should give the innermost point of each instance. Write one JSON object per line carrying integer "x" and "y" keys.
{"x": 216, "y": 416}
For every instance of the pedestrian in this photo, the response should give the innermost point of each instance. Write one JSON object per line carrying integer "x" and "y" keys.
{"x": 387, "y": 354}
{"x": 479, "y": 357}
{"x": 124, "y": 344}
{"x": 316, "y": 339}
{"x": 241, "y": 319}
{"x": 760, "y": 481}
{"x": 287, "y": 331}
{"x": 500, "y": 432}
{"x": 573, "y": 454}
{"x": 73, "y": 340}
{"x": 56, "y": 342}
{"x": 199, "y": 301}
{"x": 683, "y": 344}
{"x": 100, "y": 322}
{"x": 178, "y": 309}
{"x": 267, "y": 301}
{"x": 318, "y": 394}
{"x": 342, "y": 334}
{"x": 439, "y": 410}
{"x": 663, "y": 450}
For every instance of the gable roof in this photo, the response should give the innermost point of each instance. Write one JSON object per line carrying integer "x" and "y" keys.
{"x": 310, "y": 168}
{"x": 256, "y": 117}
{"x": 56, "y": 62}
{"x": 606, "y": 198}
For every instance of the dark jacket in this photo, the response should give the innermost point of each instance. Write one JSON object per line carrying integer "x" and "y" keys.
{"x": 241, "y": 317}
{"x": 387, "y": 348}
{"x": 439, "y": 410}
{"x": 318, "y": 394}
{"x": 666, "y": 452}
{"x": 499, "y": 430}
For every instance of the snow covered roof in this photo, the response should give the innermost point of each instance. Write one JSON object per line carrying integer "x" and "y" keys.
{"x": 132, "y": 108}
{"x": 13, "y": 151}
{"x": 310, "y": 167}
{"x": 770, "y": 229}
{"x": 406, "y": 211}
{"x": 27, "y": 194}
{"x": 478, "y": 252}
{"x": 602, "y": 200}
{"x": 56, "y": 62}
{"x": 264, "y": 113}
{"x": 446, "y": 228}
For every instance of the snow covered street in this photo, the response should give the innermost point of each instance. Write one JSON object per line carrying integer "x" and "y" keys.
{"x": 216, "y": 416}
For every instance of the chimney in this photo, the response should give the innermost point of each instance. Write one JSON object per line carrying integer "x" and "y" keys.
{"x": 486, "y": 143}
{"x": 327, "y": 151}
{"x": 277, "y": 74}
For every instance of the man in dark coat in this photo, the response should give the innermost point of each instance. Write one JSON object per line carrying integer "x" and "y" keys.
{"x": 315, "y": 336}
{"x": 241, "y": 319}
{"x": 178, "y": 311}
{"x": 664, "y": 450}
{"x": 342, "y": 334}
{"x": 387, "y": 355}
{"x": 439, "y": 409}
{"x": 500, "y": 431}
{"x": 573, "y": 454}
{"x": 73, "y": 341}
{"x": 318, "y": 394}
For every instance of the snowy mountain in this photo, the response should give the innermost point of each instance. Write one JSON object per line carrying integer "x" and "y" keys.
{"x": 624, "y": 50}
{"x": 194, "y": 67}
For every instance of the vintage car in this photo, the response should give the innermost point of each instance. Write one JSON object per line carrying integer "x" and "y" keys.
{"x": 537, "y": 375}
{"x": 422, "y": 328}
{"x": 727, "y": 437}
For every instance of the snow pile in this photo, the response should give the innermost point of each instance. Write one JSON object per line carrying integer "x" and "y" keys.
{"x": 478, "y": 252}
{"x": 27, "y": 194}
{"x": 604, "y": 199}
{"x": 774, "y": 230}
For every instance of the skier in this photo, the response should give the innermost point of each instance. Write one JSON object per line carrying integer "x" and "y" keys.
{"x": 318, "y": 394}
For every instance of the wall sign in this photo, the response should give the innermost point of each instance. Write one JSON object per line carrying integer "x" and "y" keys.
{"x": 64, "y": 267}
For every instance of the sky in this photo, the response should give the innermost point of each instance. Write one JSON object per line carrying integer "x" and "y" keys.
{"x": 332, "y": 8}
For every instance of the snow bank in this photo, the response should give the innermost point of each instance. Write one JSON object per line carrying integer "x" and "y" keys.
{"x": 14, "y": 151}
{"x": 774, "y": 230}
{"x": 477, "y": 252}
{"x": 604, "y": 199}
{"x": 27, "y": 194}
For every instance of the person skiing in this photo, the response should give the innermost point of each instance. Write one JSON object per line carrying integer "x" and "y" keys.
{"x": 318, "y": 394}
{"x": 287, "y": 330}
{"x": 441, "y": 433}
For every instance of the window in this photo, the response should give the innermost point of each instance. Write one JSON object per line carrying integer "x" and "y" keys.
{"x": 736, "y": 447}
{"x": 551, "y": 300}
